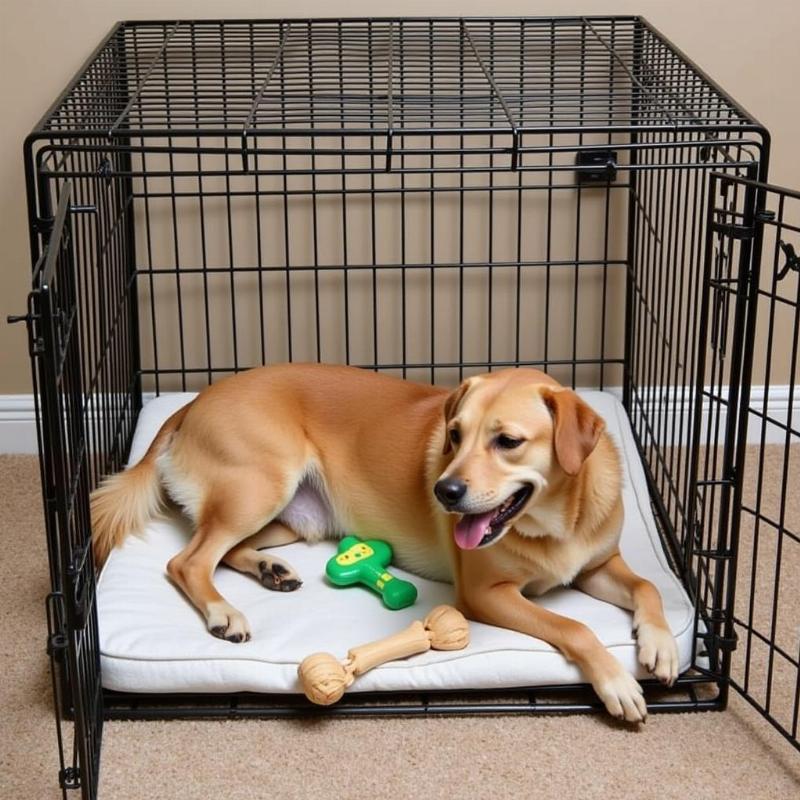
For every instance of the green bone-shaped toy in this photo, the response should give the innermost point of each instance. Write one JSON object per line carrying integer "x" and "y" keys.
{"x": 365, "y": 562}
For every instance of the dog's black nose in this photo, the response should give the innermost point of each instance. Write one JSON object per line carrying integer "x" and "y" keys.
{"x": 449, "y": 491}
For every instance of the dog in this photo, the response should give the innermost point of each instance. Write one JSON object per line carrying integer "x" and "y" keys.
{"x": 506, "y": 487}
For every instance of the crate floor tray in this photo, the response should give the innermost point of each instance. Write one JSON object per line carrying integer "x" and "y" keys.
{"x": 153, "y": 640}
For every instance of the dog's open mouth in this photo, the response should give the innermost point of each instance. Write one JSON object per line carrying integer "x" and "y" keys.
{"x": 477, "y": 530}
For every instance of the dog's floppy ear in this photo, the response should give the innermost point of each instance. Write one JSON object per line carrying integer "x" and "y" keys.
{"x": 577, "y": 428}
{"x": 451, "y": 409}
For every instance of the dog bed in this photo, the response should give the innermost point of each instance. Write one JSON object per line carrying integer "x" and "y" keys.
{"x": 153, "y": 640}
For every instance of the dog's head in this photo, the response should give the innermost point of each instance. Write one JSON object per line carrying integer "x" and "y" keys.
{"x": 510, "y": 436}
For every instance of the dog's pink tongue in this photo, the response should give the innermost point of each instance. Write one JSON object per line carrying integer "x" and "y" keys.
{"x": 471, "y": 528}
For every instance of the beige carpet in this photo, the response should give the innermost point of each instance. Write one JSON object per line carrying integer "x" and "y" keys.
{"x": 730, "y": 755}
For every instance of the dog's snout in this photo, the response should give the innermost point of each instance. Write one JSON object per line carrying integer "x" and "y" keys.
{"x": 449, "y": 491}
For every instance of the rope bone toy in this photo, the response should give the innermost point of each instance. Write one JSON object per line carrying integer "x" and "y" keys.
{"x": 324, "y": 678}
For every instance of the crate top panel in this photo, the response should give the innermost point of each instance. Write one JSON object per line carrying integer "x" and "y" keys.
{"x": 390, "y": 77}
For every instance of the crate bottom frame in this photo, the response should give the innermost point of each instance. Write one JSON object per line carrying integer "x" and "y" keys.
{"x": 691, "y": 692}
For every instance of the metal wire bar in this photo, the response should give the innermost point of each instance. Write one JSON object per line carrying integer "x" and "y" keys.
{"x": 140, "y": 86}
{"x": 496, "y": 91}
{"x": 634, "y": 80}
{"x": 284, "y": 39}
{"x": 219, "y": 92}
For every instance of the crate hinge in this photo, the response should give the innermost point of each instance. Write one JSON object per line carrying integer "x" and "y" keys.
{"x": 69, "y": 778}
{"x": 43, "y": 225}
{"x": 741, "y": 232}
{"x": 57, "y": 639}
{"x": 725, "y": 643}
{"x": 716, "y": 555}
{"x": 78, "y": 590}
{"x": 57, "y": 645}
{"x": 35, "y": 343}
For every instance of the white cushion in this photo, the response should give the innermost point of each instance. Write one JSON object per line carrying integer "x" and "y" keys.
{"x": 153, "y": 640}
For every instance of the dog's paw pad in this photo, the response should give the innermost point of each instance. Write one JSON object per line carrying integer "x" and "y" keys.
{"x": 658, "y": 653}
{"x": 237, "y": 638}
{"x": 228, "y": 624}
{"x": 623, "y": 698}
{"x": 222, "y": 632}
{"x": 279, "y": 577}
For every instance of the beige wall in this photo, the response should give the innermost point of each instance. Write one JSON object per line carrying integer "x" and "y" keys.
{"x": 752, "y": 55}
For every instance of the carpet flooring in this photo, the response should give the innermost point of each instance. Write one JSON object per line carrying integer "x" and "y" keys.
{"x": 701, "y": 755}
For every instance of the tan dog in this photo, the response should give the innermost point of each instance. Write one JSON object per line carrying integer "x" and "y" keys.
{"x": 507, "y": 484}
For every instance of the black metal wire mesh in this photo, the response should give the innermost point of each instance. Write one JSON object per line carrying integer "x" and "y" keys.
{"x": 73, "y": 640}
{"x": 379, "y": 75}
{"x": 765, "y": 667}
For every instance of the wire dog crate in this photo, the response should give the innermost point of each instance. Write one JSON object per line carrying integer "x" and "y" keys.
{"x": 430, "y": 198}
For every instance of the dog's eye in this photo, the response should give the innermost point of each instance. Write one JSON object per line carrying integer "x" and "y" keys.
{"x": 505, "y": 442}
{"x": 455, "y": 436}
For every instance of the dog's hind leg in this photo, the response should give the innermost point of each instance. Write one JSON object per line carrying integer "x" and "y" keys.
{"x": 239, "y": 505}
{"x": 273, "y": 572}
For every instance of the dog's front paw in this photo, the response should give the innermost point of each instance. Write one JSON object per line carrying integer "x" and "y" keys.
{"x": 278, "y": 576}
{"x": 621, "y": 694}
{"x": 658, "y": 652}
{"x": 225, "y": 622}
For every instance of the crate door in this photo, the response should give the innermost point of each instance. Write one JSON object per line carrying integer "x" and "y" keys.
{"x": 55, "y": 332}
{"x": 746, "y": 536}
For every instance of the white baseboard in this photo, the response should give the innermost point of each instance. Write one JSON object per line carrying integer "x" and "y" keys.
{"x": 18, "y": 421}
{"x": 671, "y": 419}
{"x": 17, "y": 424}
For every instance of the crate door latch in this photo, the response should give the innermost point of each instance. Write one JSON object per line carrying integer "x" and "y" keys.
{"x": 792, "y": 260}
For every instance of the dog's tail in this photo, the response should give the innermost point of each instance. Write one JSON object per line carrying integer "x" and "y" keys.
{"x": 123, "y": 503}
